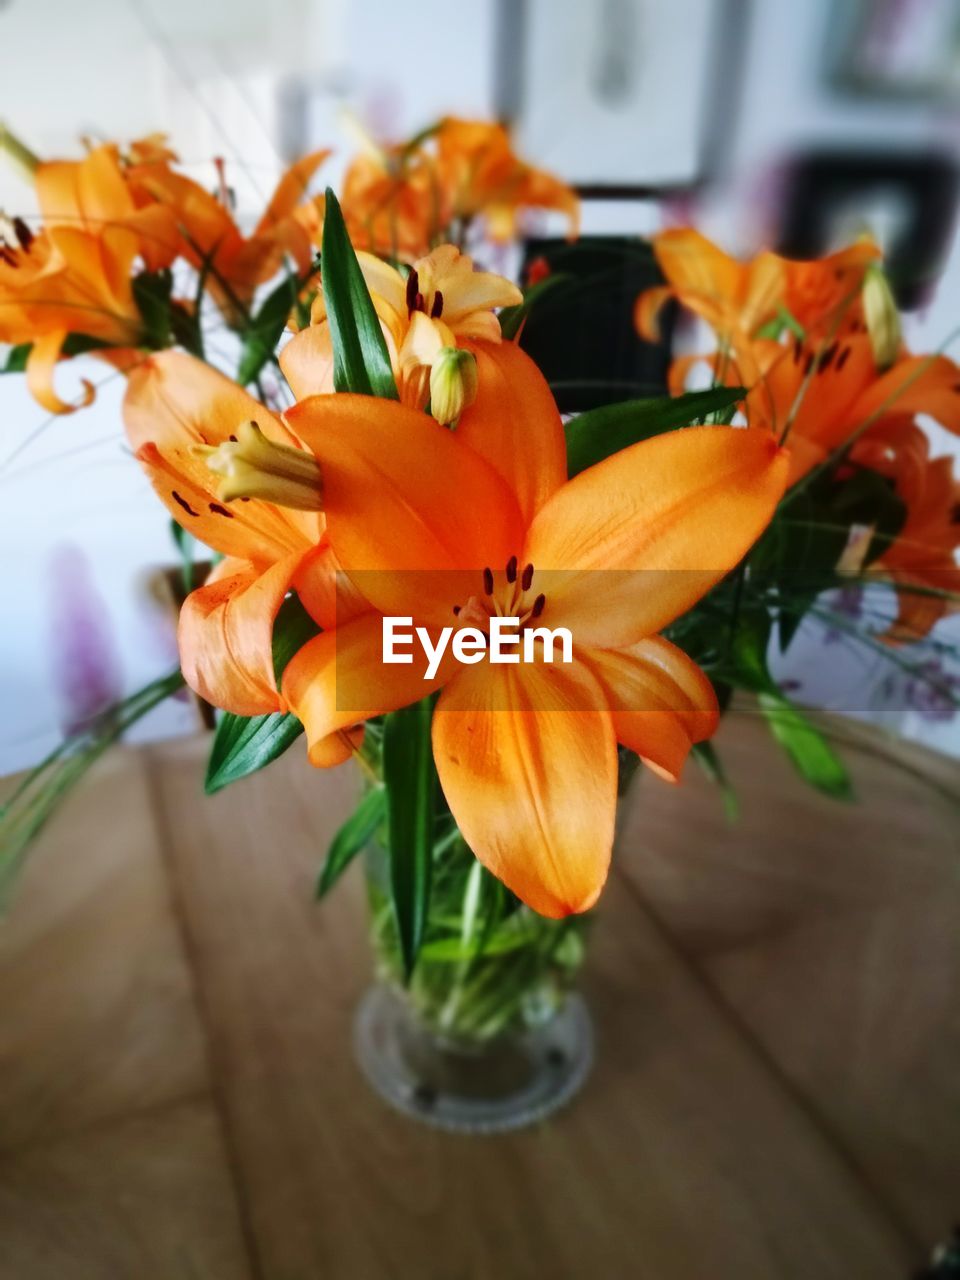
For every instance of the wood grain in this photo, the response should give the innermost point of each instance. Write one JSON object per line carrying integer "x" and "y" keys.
{"x": 832, "y": 933}
{"x": 147, "y": 1198}
{"x": 686, "y": 1153}
{"x": 97, "y": 1017}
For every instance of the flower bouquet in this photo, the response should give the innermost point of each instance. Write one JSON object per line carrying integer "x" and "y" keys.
{"x": 494, "y": 614}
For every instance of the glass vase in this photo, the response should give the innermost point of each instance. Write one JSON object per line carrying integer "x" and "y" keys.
{"x": 487, "y": 1035}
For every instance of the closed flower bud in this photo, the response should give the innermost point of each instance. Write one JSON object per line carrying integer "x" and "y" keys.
{"x": 882, "y": 316}
{"x": 453, "y": 384}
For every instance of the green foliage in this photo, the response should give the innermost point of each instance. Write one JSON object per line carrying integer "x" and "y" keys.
{"x": 811, "y": 755}
{"x": 151, "y": 293}
{"x": 261, "y": 338}
{"x": 369, "y": 815}
{"x": 27, "y": 810}
{"x": 361, "y": 362}
{"x": 410, "y": 778}
{"x": 598, "y": 433}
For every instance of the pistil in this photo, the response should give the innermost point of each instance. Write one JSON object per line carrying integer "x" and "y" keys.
{"x": 254, "y": 467}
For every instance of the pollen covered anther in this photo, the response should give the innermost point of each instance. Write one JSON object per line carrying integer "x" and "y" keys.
{"x": 488, "y": 582}
{"x": 512, "y": 569}
{"x": 527, "y": 578}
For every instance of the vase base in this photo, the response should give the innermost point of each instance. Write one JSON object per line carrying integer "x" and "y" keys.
{"x": 496, "y": 1089}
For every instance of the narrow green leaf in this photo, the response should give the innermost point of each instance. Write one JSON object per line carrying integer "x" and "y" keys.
{"x": 352, "y": 836}
{"x": 706, "y": 757}
{"x": 410, "y": 778}
{"x": 812, "y": 756}
{"x": 598, "y": 433}
{"x": 361, "y": 362}
{"x": 260, "y": 340}
{"x": 151, "y": 293}
{"x": 37, "y": 798}
{"x": 244, "y": 744}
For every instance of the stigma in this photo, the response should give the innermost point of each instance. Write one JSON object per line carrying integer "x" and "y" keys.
{"x": 251, "y": 466}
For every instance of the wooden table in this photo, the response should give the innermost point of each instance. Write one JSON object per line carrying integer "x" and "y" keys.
{"x": 776, "y": 1094}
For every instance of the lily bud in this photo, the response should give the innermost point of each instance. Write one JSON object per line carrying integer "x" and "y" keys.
{"x": 453, "y": 384}
{"x": 22, "y": 157}
{"x": 254, "y": 467}
{"x": 882, "y": 316}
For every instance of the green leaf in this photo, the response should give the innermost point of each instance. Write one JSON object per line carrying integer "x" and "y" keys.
{"x": 597, "y": 434}
{"x": 706, "y": 757}
{"x": 410, "y": 778}
{"x": 361, "y": 362}
{"x": 244, "y": 744}
{"x": 25, "y": 812}
{"x": 812, "y": 756}
{"x": 352, "y": 836}
{"x": 260, "y": 340}
{"x": 17, "y": 357}
{"x": 151, "y": 293}
{"x": 512, "y": 318}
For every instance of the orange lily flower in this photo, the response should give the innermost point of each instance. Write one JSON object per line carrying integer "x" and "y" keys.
{"x": 399, "y": 200}
{"x": 178, "y": 412}
{"x": 74, "y": 275}
{"x": 829, "y": 392}
{"x": 480, "y": 174}
{"x": 737, "y": 299}
{"x": 481, "y": 521}
{"x": 922, "y": 559}
{"x": 391, "y": 202}
{"x": 441, "y": 303}
{"x": 208, "y": 235}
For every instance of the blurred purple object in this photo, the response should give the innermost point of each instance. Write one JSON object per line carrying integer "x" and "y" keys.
{"x": 933, "y": 695}
{"x": 86, "y": 670}
{"x": 847, "y": 603}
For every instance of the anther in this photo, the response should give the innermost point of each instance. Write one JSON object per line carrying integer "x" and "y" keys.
{"x": 488, "y": 581}
{"x": 512, "y": 569}
{"x": 456, "y": 610}
{"x": 538, "y": 604}
{"x": 8, "y": 256}
{"x": 23, "y": 234}
{"x": 436, "y": 311}
{"x": 413, "y": 285}
{"x": 527, "y": 577}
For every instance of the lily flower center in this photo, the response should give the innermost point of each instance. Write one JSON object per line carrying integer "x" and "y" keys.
{"x": 427, "y": 299}
{"x": 15, "y": 238}
{"x": 508, "y": 594}
{"x": 251, "y": 466}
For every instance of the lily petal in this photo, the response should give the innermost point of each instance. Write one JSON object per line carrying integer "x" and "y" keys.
{"x": 529, "y": 770}
{"x": 660, "y": 701}
{"x": 41, "y": 363}
{"x": 682, "y": 509}
{"x": 401, "y": 493}
{"x": 515, "y": 425}
{"x": 339, "y": 679}
{"x": 226, "y": 635}
{"x": 307, "y": 362}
